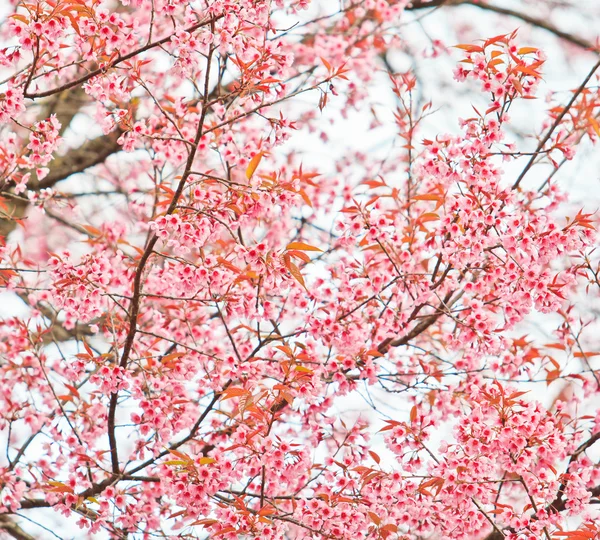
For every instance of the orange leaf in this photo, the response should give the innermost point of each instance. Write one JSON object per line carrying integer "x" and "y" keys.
{"x": 302, "y": 246}
{"x": 170, "y": 357}
{"x": 374, "y": 518}
{"x": 469, "y": 48}
{"x": 224, "y": 531}
{"x": 413, "y": 413}
{"x": 375, "y": 457}
{"x": 326, "y": 64}
{"x": 176, "y": 462}
{"x": 234, "y": 392}
{"x": 253, "y": 165}
{"x": 180, "y": 455}
{"x": 296, "y": 273}
{"x": 429, "y": 216}
{"x": 58, "y": 487}
{"x": 299, "y": 254}
{"x": 206, "y": 522}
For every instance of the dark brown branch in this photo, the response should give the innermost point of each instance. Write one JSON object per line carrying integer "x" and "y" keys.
{"x": 529, "y": 19}
{"x": 419, "y": 4}
{"x": 205, "y": 450}
{"x": 13, "y": 529}
{"x": 65, "y": 106}
{"x": 137, "y": 281}
{"x": 419, "y": 328}
{"x": 77, "y": 160}
{"x": 56, "y": 331}
{"x": 533, "y": 21}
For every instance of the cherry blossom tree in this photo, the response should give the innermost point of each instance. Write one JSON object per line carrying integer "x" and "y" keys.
{"x": 294, "y": 269}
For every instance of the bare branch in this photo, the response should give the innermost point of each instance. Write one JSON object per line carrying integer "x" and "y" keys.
{"x": 13, "y": 529}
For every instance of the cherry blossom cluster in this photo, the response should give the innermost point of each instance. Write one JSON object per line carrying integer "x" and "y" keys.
{"x": 227, "y": 336}
{"x": 11, "y": 103}
{"x": 77, "y": 285}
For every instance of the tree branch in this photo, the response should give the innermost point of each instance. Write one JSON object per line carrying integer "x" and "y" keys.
{"x": 529, "y": 19}
{"x": 92, "y": 152}
{"x": 556, "y": 123}
{"x": 13, "y": 529}
{"x": 533, "y": 21}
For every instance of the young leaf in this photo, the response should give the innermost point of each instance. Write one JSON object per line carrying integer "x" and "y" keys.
{"x": 252, "y": 166}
